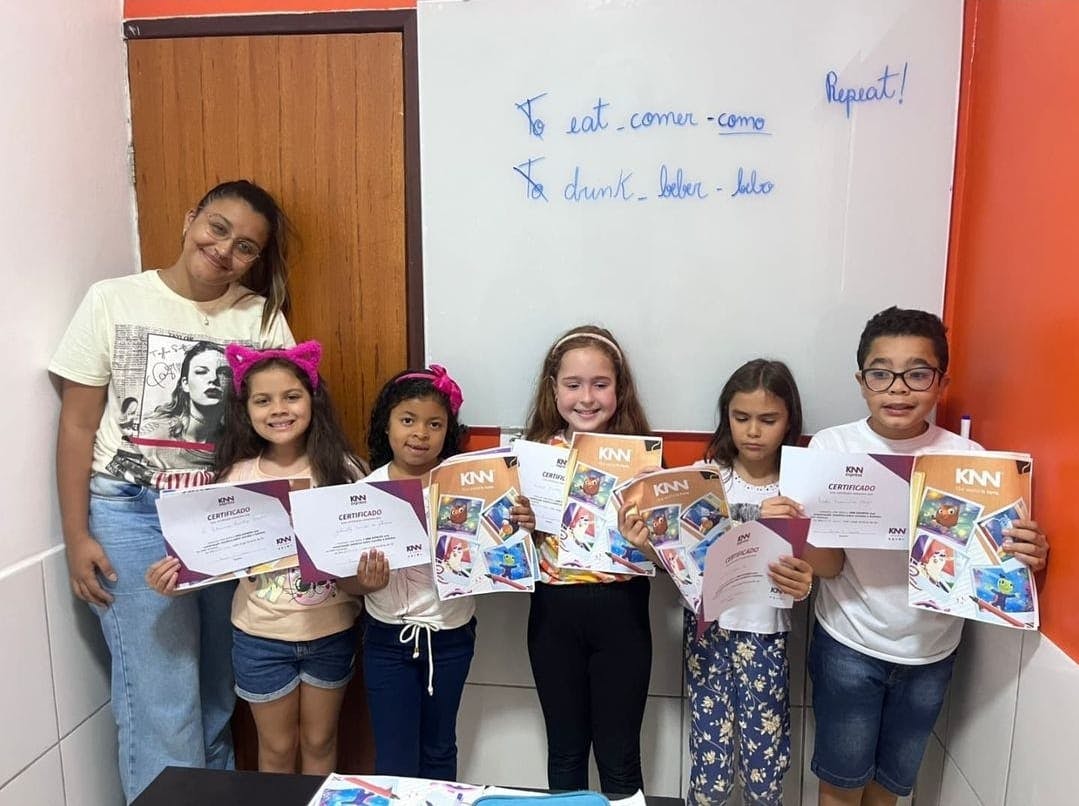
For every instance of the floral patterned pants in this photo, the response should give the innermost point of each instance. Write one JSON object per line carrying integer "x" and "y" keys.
{"x": 738, "y": 699}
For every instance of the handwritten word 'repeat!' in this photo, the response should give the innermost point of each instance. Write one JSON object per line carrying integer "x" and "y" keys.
{"x": 889, "y": 86}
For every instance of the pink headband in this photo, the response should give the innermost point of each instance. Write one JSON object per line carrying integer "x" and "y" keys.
{"x": 306, "y": 356}
{"x": 442, "y": 381}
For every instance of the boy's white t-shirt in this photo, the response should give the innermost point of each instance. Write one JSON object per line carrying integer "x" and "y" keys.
{"x": 411, "y": 597}
{"x": 865, "y": 606}
{"x": 745, "y": 503}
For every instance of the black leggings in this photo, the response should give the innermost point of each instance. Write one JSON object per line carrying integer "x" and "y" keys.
{"x": 591, "y": 651}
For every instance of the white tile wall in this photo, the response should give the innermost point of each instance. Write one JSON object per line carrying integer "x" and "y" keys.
{"x": 982, "y": 708}
{"x": 954, "y": 788}
{"x": 41, "y": 782}
{"x": 89, "y": 759}
{"x": 26, "y": 691}
{"x": 1046, "y": 738}
{"x": 500, "y": 737}
{"x": 80, "y": 659}
{"x": 927, "y": 788}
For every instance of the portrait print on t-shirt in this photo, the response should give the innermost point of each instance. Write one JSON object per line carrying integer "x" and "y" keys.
{"x": 173, "y": 391}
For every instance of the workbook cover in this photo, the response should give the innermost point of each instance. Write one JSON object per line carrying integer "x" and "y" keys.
{"x": 589, "y": 537}
{"x": 960, "y": 505}
{"x": 685, "y": 510}
{"x": 476, "y": 548}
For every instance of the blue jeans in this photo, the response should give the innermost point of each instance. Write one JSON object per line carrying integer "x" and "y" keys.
{"x": 415, "y": 731}
{"x": 172, "y": 694}
{"x": 873, "y": 716}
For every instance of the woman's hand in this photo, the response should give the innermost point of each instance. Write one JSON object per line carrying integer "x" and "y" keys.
{"x": 1028, "y": 543}
{"x": 779, "y": 506}
{"x": 163, "y": 575}
{"x": 85, "y": 560}
{"x": 792, "y": 576}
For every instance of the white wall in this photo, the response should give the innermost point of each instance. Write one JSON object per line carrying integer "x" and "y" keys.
{"x": 66, "y": 219}
{"x": 1012, "y": 723}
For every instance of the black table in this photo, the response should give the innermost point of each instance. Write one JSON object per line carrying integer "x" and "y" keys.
{"x": 182, "y": 786}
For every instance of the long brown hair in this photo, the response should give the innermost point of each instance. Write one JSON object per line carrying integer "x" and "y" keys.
{"x": 544, "y": 421}
{"x": 332, "y": 458}
{"x": 773, "y": 377}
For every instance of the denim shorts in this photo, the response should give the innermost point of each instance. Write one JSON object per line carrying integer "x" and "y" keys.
{"x": 267, "y": 669}
{"x": 873, "y": 717}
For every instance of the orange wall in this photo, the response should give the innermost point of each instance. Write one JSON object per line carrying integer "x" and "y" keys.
{"x": 1012, "y": 298}
{"x": 190, "y": 8}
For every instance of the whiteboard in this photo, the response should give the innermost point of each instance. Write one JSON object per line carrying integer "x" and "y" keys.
{"x": 713, "y": 181}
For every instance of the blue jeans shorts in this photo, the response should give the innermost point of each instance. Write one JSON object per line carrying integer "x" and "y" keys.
{"x": 267, "y": 669}
{"x": 873, "y": 717}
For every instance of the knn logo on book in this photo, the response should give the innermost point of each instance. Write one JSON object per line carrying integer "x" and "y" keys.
{"x": 225, "y": 500}
{"x": 356, "y": 500}
{"x": 854, "y": 470}
{"x": 412, "y": 549}
{"x": 282, "y": 541}
{"x": 897, "y": 530}
{"x": 473, "y": 477}
{"x": 980, "y": 478}
{"x": 668, "y": 487}
{"x": 609, "y": 454}
{"x": 743, "y": 539}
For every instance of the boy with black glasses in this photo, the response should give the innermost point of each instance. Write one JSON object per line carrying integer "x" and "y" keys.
{"x": 880, "y": 668}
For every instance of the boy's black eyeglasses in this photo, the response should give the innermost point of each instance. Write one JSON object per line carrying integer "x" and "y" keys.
{"x": 917, "y": 379}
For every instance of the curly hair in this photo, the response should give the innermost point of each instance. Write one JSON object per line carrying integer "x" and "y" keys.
{"x": 905, "y": 322}
{"x": 544, "y": 421}
{"x": 397, "y": 389}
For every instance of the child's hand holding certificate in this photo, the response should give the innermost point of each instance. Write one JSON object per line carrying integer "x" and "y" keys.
{"x": 221, "y": 531}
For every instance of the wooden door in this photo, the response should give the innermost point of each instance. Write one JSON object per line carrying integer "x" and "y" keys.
{"x": 318, "y": 120}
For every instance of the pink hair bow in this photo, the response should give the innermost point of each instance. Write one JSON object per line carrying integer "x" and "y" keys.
{"x": 441, "y": 380}
{"x": 305, "y": 355}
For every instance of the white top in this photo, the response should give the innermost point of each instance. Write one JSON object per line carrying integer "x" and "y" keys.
{"x": 745, "y": 503}
{"x": 865, "y": 606}
{"x": 134, "y": 335}
{"x": 410, "y": 597}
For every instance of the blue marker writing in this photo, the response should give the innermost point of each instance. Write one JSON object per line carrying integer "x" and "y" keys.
{"x": 879, "y": 90}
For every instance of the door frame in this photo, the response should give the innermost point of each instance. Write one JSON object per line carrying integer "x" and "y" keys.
{"x": 338, "y": 22}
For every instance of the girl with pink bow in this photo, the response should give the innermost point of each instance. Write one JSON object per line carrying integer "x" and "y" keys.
{"x": 293, "y": 643}
{"x": 417, "y": 649}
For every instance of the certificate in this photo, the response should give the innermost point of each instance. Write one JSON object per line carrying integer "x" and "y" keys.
{"x": 542, "y": 469}
{"x": 335, "y": 525}
{"x": 856, "y": 500}
{"x": 736, "y": 566}
{"x": 220, "y": 531}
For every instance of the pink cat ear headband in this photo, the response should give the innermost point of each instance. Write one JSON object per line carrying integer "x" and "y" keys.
{"x": 442, "y": 381}
{"x": 305, "y": 355}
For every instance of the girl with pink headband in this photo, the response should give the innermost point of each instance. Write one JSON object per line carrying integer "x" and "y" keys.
{"x": 293, "y": 643}
{"x": 417, "y": 649}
